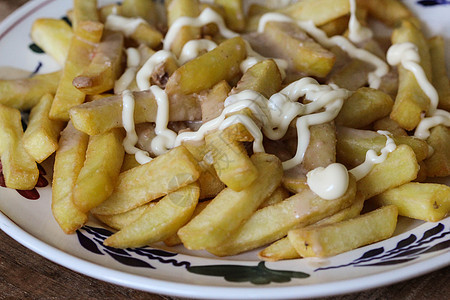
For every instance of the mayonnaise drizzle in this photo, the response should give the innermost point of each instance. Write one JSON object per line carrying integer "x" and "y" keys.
{"x": 131, "y": 137}
{"x": 440, "y": 117}
{"x": 374, "y": 77}
{"x": 125, "y": 25}
{"x": 372, "y": 158}
{"x": 133, "y": 61}
{"x": 356, "y": 32}
{"x": 407, "y": 55}
{"x": 330, "y": 182}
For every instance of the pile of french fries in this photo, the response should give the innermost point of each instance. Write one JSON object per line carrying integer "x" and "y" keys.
{"x": 216, "y": 194}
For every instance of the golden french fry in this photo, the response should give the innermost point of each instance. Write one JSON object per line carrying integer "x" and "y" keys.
{"x": 411, "y": 101}
{"x": 53, "y": 36}
{"x": 389, "y": 12}
{"x": 327, "y": 240}
{"x": 69, "y": 160}
{"x": 19, "y": 168}
{"x": 160, "y": 221}
{"x": 140, "y": 9}
{"x": 41, "y": 136}
{"x": 387, "y": 124}
{"x": 439, "y": 73}
{"x": 273, "y": 222}
{"x": 399, "y": 167}
{"x": 25, "y": 93}
{"x": 104, "y": 68}
{"x": 84, "y": 11}
{"x": 230, "y": 209}
{"x": 81, "y": 48}
{"x": 164, "y": 174}
{"x": 289, "y": 42}
{"x": 424, "y": 201}
{"x": 365, "y": 106}
{"x": 277, "y": 196}
{"x": 104, "y": 114}
{"x": 197, "y": 75}
{"x": 438, "y": 164}
{"x": 234, "y": 14}
{"x": 98, "y": 177}
{"x": 122, "y": 220}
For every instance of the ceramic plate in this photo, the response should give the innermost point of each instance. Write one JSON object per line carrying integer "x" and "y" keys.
{"x": 416, "y": 248}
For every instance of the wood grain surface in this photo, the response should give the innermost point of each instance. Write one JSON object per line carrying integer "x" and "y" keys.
{"x": 26, "y": 275}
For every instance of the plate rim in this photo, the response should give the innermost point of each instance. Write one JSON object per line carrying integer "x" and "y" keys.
{"x": 200, "y": 291}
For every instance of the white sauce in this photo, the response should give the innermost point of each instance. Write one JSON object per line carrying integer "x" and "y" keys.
{"x": 133, "y": 61}
{"x": 372, "y": 158}
{"x": 407, "y": 55}
{"x": 193, "y": 48}
{"x": 131, "y": 137}
{"x": 125, "y": 25}
{"x": 440, "y": 117}
{"x": 374, "y": 78}
{"x": 145, "y": 72}
{"x": 356, "y": 32}
{"x": 330, "y": 182}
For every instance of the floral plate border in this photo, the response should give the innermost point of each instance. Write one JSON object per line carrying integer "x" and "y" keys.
{"x": 422, "y": 248}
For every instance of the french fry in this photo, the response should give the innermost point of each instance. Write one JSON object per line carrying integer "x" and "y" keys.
{"x": 160, "y": 221}
{"x": 122, "y": 220}
{"x": 150, "y": 181}
{"x": 98, "y": 177}
{"x": 228, "y": 211}
{"x": 84, "y": 11}
{"x": 283, "y": 249}
{"x": 197, "y": 74}
{"x": 102, "y": 115}
{"x": 19, "y": 168}
{"x": 365, "y": 106}
{"x": 273, "y": 222}
{"x": 69, "y": 160}
{"x": 212, "y": 100}
{"x": 289, "y": 42}
{"x": 81, "y": 48}
{"x": 387, "y": 124}
{"x": 104, "y": 68}
{"x": 174, "y": 239}
{"x": 411, "y": 101}
{"x": 41, "y": 136}
{"x": 183, "y": 8}
{"x": 53, "y": 36}
{"x": 234, "y": 14}
{"x": 439, "y": 73}
{"x": 25, "y": 93}
{"x": 140, "y": 9}
{"x": 424, "y": 201}
{"x": 438, "y": 164}
{"x": 399, "y": 167}
{"x": 390, "y": 12}
{"x": 277, "y": 196}
{"x": 327, "y": 240}
{"x": 352, "y": 145}
{"x": 230, "y": 160}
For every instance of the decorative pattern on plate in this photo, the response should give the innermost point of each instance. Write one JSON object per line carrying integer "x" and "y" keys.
{"x": 433, "y": 2}
{"x": 91, "y": 238}
{"x": 406, "y": 250}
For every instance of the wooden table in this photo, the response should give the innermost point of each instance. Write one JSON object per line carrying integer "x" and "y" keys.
{"x": 26, "y": 275}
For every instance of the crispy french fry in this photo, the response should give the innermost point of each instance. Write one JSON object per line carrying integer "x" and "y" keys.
{"x": 277, "y": 196}
{"x": 140, "y": 9}
{"x": 230, "y": 209}
{"x": 327, "y": 240}
{"x": 160, "y": 221}
{"x": 289, "y": 42}
{"x": 150, "y": 181}
{"x": 98, "y": 177}
{"x": 283, "y": 249}
{"x": 273, "y": 222}
{"x": 197, "y": 74}
{"x": 81, "y": 47}
{"x": 19, "y": 168}
{"x": 53, "y": 36}
{"x": 390, "y": 125}
{"x": 104, "y": 68}
{"x": 41, "y": 136}
{"x": 365, "y": 106}
{"x": 439, "y": 73}
{"x": 69, "y": 160}
{"x": 424, "y": 201}
{"x": 84, "y": 11}
{"x": 102, "y": 115}
{"x": 390, "y": 12}
{"x": 234, "y": 14}
{"x": 411, "y": 101}
{"x": 230, "y": 160}
{"x": 25, "y": 93}
{"x": 399, "y": 167}
{"x": 352, "y": 145}
{"x": 438, "y": 164}
{"x": 122, "y": 220}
